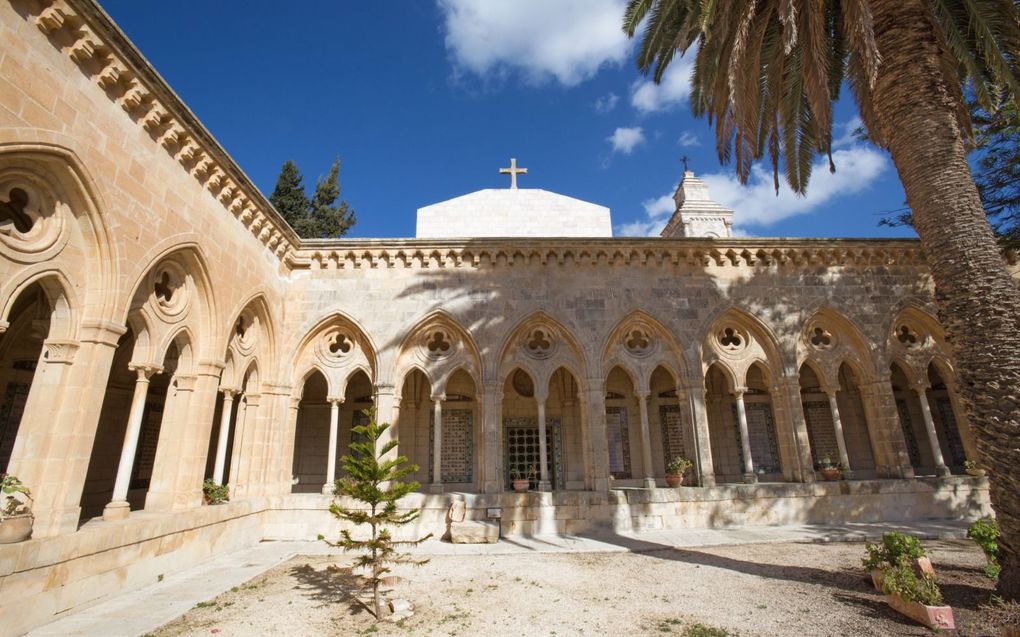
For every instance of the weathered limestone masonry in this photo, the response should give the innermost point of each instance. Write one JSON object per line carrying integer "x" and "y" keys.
{"x": 161, "y": 325}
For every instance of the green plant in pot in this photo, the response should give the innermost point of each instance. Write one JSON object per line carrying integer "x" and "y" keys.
{"x": 520, "y": 479}
{"x": 973, "y": 469}
{"x": 16, "y": 511}
{"x": 675, "y": 470}
{"x": 895, "y": 547}
{"x": 215, "y": 493}
{"x": 830, "y": 470}
{"x": 916, "y": 595}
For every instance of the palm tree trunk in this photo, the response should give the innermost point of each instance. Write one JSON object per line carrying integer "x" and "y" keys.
{"x": 977, "y": 299}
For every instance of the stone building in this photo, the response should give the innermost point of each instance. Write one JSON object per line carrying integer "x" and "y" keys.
{"x": 160, "y": 325}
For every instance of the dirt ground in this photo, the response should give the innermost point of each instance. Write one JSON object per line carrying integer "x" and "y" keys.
{"x": 762, "y": 589}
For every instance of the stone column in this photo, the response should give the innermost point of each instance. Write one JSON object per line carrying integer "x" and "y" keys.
{"x": 492, "y": 437}
{"x": 437, "y": 444}
{"x": 885, "y": 430}
{"x": 544, "y": 484}
{"x": 118, "y": 508}
{"x": 701, "y": 433}
{"x": 745, "y": 441}
{"x": 287, "y": 455}
{"x": 795, "y": 445}
{"x": 646, "y": 439}
{"x": 837, "y": 426}
{"x": 245, "y": 445}
{"x": 387, "y": 410}
{"x": 334, "y": 433}
{"x": 941, "y": 469}
{"x": 173, "y": 453}
{"x": 224, "y": 435}
{"x": 596, "y": 445}
{"x": 58, "y": 428}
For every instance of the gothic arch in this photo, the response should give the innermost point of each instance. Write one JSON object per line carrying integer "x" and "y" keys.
{"x": 65, "y": 310}
{"x": 69, "y": 229}
{"x": 915, "y": 338}
{"x": 437, "y": 345}
{"x": 829, "y": 338}
{"x": 639, "y": 344}
{"x": 539, "y": 344}
{"x": 338, "y": 347}
{"x": 736, "y": 340}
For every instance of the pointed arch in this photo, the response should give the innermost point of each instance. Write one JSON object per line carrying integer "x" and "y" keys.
{"x": 438, "y": 345}
{"x": 662, "y": 349}
{"x": 338, "y": 346}
{"x": 736, "y": 339}
{"x": 564, "y": 350}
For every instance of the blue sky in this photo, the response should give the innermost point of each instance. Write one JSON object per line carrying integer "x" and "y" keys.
{"x": 425, "y": 100}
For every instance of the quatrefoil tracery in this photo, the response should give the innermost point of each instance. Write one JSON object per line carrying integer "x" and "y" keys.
{"x": 539, "y": 344}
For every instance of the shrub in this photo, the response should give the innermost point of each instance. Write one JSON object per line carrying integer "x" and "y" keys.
{"x": 894, "y": 547}
{"x": 902, "y": 581}
{"x": 216, "y": 493}
{"x": 985, "y": 532}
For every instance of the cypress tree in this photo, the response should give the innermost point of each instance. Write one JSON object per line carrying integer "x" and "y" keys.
{"x": 376, "y": 483}
{"x": 328, "y": 219}
{"x": 289, "y": 197}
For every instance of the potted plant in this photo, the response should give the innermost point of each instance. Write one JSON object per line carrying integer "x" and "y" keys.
{"x": 829, "y": 469}
{"x": 215, "y": 493}
{"x": 15, "y": 513}
{"x": 972, "y": 469}
{"x": 676, "y": 469}
{"x": 916, "y": 596}
{"x": 520, "y": 480}
{"x": 894, "y": 548}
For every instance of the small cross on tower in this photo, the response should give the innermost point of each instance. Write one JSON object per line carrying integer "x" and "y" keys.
{"x": 513, "y": 171}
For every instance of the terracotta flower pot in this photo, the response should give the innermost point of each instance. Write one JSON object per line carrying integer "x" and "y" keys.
{"x": 521, "y": 484}
{"x": 674, "y": 479}
{"x": 830, "y": 474}
{"x": 930, "y": 616}
{"x": 922, "y": 566}
{"x": 977, "y": 473}
{"x": 17, "y": 528}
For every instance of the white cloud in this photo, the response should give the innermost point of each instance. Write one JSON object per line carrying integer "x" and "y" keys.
{"x": 624, "y": 140}
{"x": 569, "y": 40}
{"x": 846, "y": 138}
{"x": 687, "y": 138}
{"x": 606, "y": 103}
{"x": 757, "y": 204}
{"x": 648, "y": 97}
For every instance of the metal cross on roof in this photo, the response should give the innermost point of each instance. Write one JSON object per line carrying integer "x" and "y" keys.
{"x": 513, "y": 171}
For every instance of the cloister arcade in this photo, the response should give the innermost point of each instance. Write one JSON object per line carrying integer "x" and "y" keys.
{"x": 182, "y": 388}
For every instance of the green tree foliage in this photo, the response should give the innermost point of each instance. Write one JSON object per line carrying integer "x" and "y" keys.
{"x": 320, "y": 217}
{"x": 985, "y": 532}
{"x": 374, "y": 481}
{"x": 289, "y": 195}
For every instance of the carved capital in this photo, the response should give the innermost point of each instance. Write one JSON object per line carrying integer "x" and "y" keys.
{"x": 185, "y": 382}
{"x": 3, "y": 326}
{"x": 59, "y": 351}
{"x": 144, "y": 371}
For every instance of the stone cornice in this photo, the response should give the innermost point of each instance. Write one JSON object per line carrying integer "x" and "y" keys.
{"x": 695, "y": 252}
{"x": 97, "y": 45}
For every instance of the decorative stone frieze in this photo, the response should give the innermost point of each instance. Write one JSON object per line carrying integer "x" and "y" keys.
{"x": 131, "y": 82}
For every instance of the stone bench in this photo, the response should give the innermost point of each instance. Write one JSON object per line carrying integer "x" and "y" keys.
{"x": 474, "y": 532}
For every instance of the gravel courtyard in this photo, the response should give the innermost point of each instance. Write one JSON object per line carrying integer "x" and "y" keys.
{"x": 760, "y": 589}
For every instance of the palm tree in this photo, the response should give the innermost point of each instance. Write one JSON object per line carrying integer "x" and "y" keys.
{"x": 766, "y": 73}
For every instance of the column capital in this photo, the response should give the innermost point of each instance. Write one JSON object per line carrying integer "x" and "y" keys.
{"x": 383, "y": 388}
{"x": 541, "y": 396}
{"x": 185, "y": 382}
{"x": 335, "y": 400}
{"x": 920, "y": 386}
{"x": 252, "y": 400}
{"x": 3, "y": 326}
{"x": 829, "y": 391}
{"x": 643, "y": 394}
{"x": 60, "y": 351}
{"x": 210, "y": 367}
{"x": 437, "y": 398}
{"x": 738, "y": 392}
{"x": 229, "y": 392}
{"x": 295, "y": 402}
{"x": 145, "y": 371}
